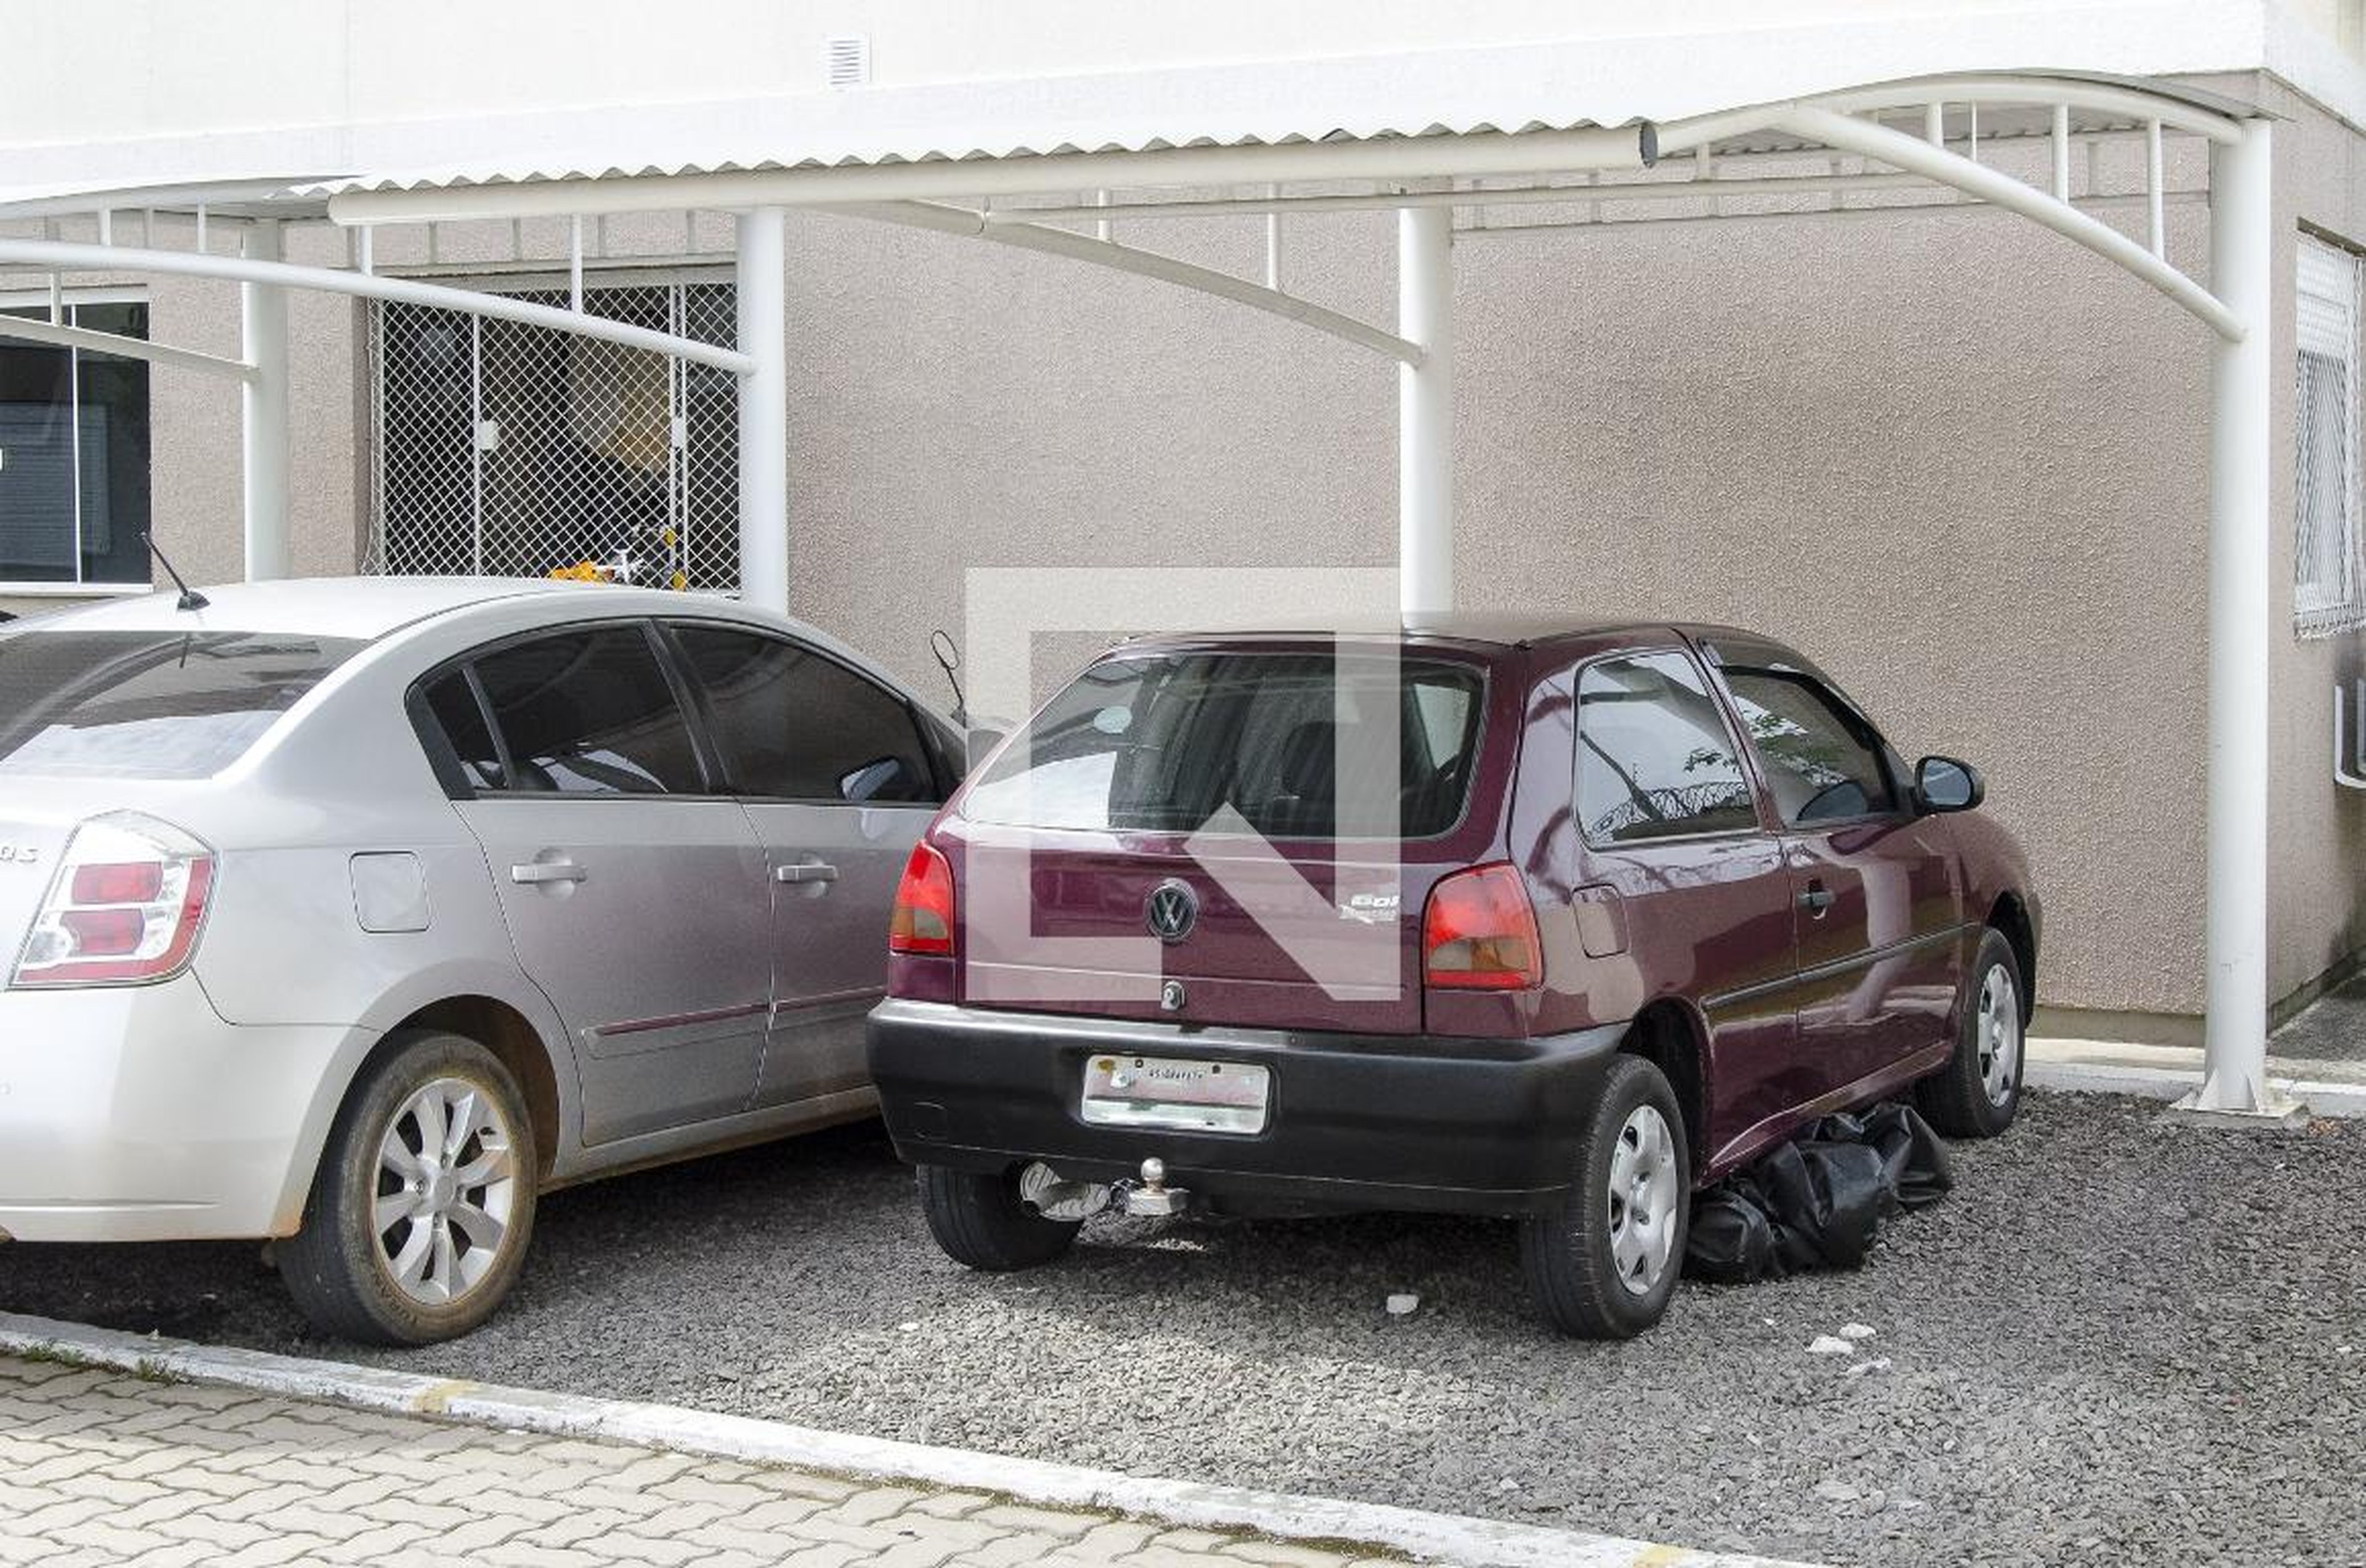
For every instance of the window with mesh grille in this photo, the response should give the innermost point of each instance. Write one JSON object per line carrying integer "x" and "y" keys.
{"x": 504, "y": 450}
{"x": 2326, "y": 586}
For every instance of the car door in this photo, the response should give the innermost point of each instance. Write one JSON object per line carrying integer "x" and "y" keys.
{"x": 1669, "y": 833}
{"x": 1877, "y": 899}
{"x": 635, "y": 895}
{"x": 834, "y": 774}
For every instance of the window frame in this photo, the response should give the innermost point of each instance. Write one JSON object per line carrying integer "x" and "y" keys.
{"x": 711, "y": 751}
{"x": 2327, "y": 277}
{"x": 1759, "y": 796}
{"x": 16, "y": 300}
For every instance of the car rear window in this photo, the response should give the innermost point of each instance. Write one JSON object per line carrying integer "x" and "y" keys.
{"x": 1285, "y": 743}
{"x": 149, "y": 704}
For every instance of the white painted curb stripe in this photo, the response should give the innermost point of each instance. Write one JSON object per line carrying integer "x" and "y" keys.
{"x": 2322, "y": 1097}
{"x": 1444, "y": 1537}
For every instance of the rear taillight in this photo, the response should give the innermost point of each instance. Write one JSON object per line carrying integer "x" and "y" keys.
{"x": 1480, "y": 932}
{"x": 125, "y": 906}
{"x": 923, "y": 920}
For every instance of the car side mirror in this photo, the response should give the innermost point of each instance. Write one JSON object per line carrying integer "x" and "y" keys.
{"x": 1942, "y": 783}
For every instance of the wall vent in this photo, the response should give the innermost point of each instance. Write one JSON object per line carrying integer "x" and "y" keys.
{"x": 845, "y": 60}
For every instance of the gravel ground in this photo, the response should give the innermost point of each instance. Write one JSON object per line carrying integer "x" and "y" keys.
{"x": 2121, "y": 1337}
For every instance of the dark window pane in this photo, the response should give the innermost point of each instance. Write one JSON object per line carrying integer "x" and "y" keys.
{"x": 590, "y": 712}
{"x": 458, "y": 714}
{"x": 114, "y": 421}
{"x": 1822, "y": 762}
{"x": 793, "y": 724}
{"x": 149, "y": 704}
{"x": 38, "y": 457}
{"x": 1167, "y": 743}
{"x": 1655, "y": 758}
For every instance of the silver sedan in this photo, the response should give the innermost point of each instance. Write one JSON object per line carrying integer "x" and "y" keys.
{"x": 357, "y": 912}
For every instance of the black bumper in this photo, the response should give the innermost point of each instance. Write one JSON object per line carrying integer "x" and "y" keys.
{"x": 1378, "y": 1121}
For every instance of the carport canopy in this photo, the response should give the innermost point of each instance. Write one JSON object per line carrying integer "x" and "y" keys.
{"x": 1463, "y": 147}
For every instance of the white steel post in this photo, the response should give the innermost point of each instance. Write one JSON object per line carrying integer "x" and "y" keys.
{"x": 1425, "y": 411}
{"x": 2242, "y": 247}
{"x": 763, "y": 279}
{"x": 263, "y": 315}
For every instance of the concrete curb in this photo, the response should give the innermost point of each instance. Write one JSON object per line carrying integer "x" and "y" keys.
{"x": 1476, "y": 1544}
{"x": 2171, "y": 1072}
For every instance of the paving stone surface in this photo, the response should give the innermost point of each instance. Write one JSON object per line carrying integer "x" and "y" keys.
{"x": 103, "y": 1467}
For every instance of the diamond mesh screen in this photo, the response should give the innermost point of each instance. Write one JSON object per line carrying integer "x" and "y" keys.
{"x": 514, "y": 451}
{"x": 2326, "y": 578}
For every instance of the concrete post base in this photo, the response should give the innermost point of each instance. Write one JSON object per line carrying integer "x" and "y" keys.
{"x": 2275, "y": 1112}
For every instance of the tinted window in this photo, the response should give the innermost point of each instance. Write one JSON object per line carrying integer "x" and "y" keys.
{"x": 457, "y": 713}
{"x": 1655, "y": 758}
{"x": 1285, "y": 741}
{"x": 794, "y": 725}
{"x": 1822, "y": 762}
{"x": 149, "y": 704}
{"x": 590, "y": 712}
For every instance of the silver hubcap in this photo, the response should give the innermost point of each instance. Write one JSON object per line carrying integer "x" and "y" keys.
{"x": 1644, "y": 1192}
{"x": 446, "y": 1180}
{"x": 1999, "y": 1037}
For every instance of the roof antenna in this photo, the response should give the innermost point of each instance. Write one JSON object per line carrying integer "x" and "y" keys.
{"x": 190, "y": 598}
{"x": 949, "y": 660}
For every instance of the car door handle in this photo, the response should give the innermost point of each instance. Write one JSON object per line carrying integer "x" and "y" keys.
{"x": 1817, "y": 898}
{"x": 805, "y": 870}
{"x": 535, "y": 873}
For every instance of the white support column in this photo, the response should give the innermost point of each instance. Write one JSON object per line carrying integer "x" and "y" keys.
{"x": 2241, "y": 633}
{"x": 1425, "y": 410}
{"x": 763, "y": 284}
{"x": 263, "y": 315}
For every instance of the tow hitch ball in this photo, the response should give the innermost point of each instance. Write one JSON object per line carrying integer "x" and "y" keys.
{"x": 1153, "y": 1196}
{"x": 1043, "y": 1190}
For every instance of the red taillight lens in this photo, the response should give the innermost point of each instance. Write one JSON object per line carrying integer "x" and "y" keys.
{"x": 126, "y": 906}
{"x": 923, "y": 920}
{"x": 1480, "y": 932}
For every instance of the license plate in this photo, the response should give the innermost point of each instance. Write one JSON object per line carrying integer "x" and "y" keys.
{"x": 1184, "y": 1096}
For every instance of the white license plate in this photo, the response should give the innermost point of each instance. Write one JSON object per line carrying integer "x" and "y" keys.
{"x": 1162, "y": 1092}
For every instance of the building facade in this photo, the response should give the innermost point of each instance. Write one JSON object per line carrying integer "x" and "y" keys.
{"x": 1962, "y": 463}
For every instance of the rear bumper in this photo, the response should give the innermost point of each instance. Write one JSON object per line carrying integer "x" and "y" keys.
{"x": 1382, "y": 1121}
{"x": 135, "y": 1114}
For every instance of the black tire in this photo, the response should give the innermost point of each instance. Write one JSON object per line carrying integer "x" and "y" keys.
{"x": 1957, "y": 1099}
{"x": 981, "y": 1222}
{"x": 1567, "y": 1252}
{"x": 337, "y": 1266}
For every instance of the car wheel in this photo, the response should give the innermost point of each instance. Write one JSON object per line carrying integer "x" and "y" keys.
{"x": 982, "y": 1223}
{"x": 1978, "y": 1092}
{"x": 1603, "y": 1263}
{"x": 424, "y": 1202}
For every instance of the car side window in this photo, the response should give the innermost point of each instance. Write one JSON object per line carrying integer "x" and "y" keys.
{"x": 591, "y": 712}
{"x": 793, "y": 724}
{"x": 1822, "y": 760}
{"x": 1656, "y": 756}
{"x": 457, "y": 713}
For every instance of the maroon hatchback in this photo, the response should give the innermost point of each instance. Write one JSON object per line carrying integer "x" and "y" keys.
{"x": 1556, "y": 923}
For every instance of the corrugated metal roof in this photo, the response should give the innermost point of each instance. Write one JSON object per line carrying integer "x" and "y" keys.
{"x": 1541, "y": 86}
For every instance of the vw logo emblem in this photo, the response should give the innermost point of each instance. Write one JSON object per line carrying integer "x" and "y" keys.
{"x": 1173, "y": 910}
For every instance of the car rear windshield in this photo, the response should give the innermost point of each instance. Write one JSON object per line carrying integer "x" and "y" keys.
{"x": 149, "y": 704}
{"x": 1290, "y": 745}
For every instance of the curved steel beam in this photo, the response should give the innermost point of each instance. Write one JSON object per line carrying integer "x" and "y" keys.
{"x": 1913, "y": 153}
{"x": 91, "y": 342}
{"x": 1142, "y": 263}
{"x": 55, "y": 255}
{"x": 2071, "y": 92}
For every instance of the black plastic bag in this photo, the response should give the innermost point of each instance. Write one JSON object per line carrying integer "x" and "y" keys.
{"x": 1818, "y": 1200}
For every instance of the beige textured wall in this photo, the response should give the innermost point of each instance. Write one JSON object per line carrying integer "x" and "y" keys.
{"x": 1958, "y": 460}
